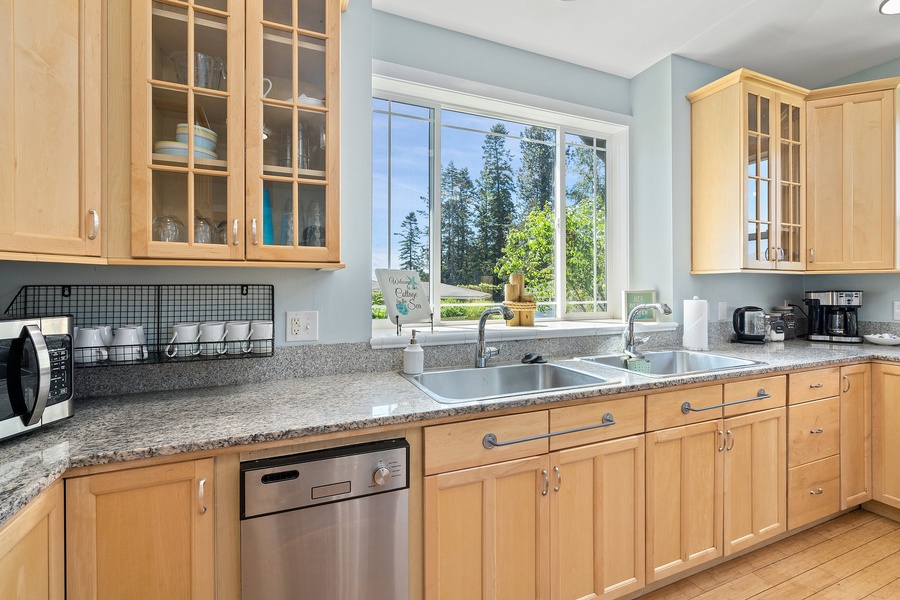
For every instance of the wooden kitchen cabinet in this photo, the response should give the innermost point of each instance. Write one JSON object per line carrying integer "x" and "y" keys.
{"x": 146, "y": 532}
{"x": 748, "y": 175}
{"x": 50, "y": 107}
{"x": 856, "y": 435}
{"x": 885, "y": 442}
{"x": 32, "y": 550}
{"x": 260, "y": 181}
{"x": 851, "y": 171}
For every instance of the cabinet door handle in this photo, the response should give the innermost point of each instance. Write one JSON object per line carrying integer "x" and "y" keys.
{"x": 816, "y": 385}
{"x": 819, "y": 430}
{"x": 781, "y": 254}
{"x": 729, "y": 436}
{"x": 201, "y": 492}
{"x": 817, "y": 492}
{"x": 234, "y": 232}
{"x": 812, "y": 255}
{"x": 95, "y": 224}
{"x": 558, "y": 478}
{"x": 490, "y": 440}
{"x": 253, "y": 232}
{"x": 847, "y": 379}
{"x": 760, "y": 395}
{"x": 721, "y": 433}
{"x": 546, "y": 482}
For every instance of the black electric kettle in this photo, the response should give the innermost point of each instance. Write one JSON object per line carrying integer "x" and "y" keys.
{"x": 749, "y": 325}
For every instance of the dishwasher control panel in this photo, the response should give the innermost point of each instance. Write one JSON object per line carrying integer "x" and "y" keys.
{"x": 272, "y": 485}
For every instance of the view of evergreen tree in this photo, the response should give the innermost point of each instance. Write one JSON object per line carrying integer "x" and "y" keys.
{"x": 458, "y": 198}
{"x": 529, "y": 250}
{"x": 413, "y": 252}
{"x": 495, "y": 208}
{"x": 535, "y": 177}
{"x": 585, "y": 225}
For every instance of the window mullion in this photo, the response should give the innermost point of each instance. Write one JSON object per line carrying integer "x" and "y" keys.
{"x": 435, "y": 222}
{"x": 560, "y": 242}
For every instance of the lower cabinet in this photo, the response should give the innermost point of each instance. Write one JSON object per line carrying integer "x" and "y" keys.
{"x": 885, "y": 442}
{"x": 147, "y": 532}
{"x": 856, "y": 435}
{"x": 32, "y": 550}
{"x": 714, "y": 488}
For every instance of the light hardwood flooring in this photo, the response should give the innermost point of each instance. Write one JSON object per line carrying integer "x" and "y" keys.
{"x": 852, "y": 557}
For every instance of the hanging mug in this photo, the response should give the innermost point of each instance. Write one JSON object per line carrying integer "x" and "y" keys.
{"x": 267, "y": 86}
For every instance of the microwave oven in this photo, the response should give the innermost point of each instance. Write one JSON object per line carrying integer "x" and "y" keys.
{"x": 36, "y": 373}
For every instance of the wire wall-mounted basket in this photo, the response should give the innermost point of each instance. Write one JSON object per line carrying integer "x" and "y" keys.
{"x": 154, "y": 311}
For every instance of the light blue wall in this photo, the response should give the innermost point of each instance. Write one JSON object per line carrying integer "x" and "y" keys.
{"x": 341, "y": 297}
{"x": 883, "y": 71}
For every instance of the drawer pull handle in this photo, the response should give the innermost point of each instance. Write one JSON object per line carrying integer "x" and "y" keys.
{"x": 760, "y": 395}
{"x": 816, "y": 385}
{"x": 847, "y": 379}
{"x": 558, "y": 479}
{"x": 819, "y": 430}
{"x": 817, "y": 492}
{"x": 202, "y": 494}
{"x": 546, "y": 482}
{"x": 490, "y": 440}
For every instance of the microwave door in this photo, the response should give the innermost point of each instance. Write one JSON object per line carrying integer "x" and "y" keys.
{"x": 28, "y": 375}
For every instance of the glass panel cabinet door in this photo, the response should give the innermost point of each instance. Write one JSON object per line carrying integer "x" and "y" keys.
{"x": 187, "y": 135}
{"x": 759, "y": 247}
{"x": 791, "y": 175}
{"x": 292, "y": 130}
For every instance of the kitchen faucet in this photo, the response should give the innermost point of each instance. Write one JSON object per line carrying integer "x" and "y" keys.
{"x": 482, "y": 354}
{"x": 628, "y": 335}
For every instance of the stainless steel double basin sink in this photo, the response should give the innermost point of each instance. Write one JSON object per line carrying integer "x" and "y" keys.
{"x": 468, "y": 384}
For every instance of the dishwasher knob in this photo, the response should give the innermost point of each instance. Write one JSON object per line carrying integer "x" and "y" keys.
{"x": 381, "y": 475}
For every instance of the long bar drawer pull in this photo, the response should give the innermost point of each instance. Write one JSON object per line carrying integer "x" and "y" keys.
{"x": 816, "y": 493}
{"x": 819, "y": 430}
{"x": 202, "y": 494}
{"x": 760, "y": 395}
{"x": 816, "y": 385}
{"x": 490, "y": 440}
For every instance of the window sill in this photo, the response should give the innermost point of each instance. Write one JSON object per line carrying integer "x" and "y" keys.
{"x": 497, "y": 331}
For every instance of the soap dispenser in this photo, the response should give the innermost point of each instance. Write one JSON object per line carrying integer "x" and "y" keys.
{"x": 413, "y": 357}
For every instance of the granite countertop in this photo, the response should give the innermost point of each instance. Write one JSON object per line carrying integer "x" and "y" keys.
{"x": 118, "y": 429}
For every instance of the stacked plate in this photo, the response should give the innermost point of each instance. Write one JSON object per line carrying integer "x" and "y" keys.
{"x": 181, "y": 149}
{"x": 204, "y": 142}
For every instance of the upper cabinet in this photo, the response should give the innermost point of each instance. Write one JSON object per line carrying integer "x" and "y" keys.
{"x": 50, "y": 107}
{"x": 234, "y": 135}
{"x": 748, "y": 175}
{"x": 852, "y": 177}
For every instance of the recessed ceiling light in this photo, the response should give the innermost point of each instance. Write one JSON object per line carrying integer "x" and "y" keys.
{"x": 890, "y": 7}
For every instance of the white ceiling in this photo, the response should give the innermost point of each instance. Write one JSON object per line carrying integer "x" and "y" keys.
{"x": 807, "y": 42}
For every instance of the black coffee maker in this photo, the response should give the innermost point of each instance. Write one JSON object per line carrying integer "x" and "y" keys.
{"x": 832, "y": 316}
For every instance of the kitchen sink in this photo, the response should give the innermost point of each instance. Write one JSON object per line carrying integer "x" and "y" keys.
{"x": 672, "y": 363}
{"x": 467, "y": 384}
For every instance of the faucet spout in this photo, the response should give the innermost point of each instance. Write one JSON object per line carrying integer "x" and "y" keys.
{"x": 628, "y": 334}
{"x": 482, "y": 354}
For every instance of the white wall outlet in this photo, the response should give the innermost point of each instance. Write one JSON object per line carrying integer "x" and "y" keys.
{"x": 723, "y": 311}
{"x": 302, "y": 326}
{"x": 897, "y": 310}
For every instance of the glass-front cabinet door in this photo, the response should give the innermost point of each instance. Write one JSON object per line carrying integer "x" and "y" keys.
{"x": 188, "y": 134}
{"x": 292, "y": 130}
{"x": 774, "y": 205}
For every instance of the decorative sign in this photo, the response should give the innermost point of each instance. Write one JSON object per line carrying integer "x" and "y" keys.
{"x": 405, "y": 296}
{"x": 630, "y": 299}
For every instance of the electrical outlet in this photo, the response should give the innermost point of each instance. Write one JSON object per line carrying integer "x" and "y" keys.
{"x": 723, "y": 311}
{"x": 302, "y": 326}
{"x": 897, "y": 310}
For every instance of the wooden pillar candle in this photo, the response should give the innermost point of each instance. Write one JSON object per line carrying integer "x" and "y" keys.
{"x": 522, "y": 304}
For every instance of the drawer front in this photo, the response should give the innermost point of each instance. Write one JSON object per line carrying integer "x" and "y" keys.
{"x": 814, "y": 385}
{"x": 814, "y": 491}
{"x": 628, "y": 414}
{"x": 775, "y": 387}
{"x": 814, "y": 431}
{"x": 461, "y": 445}
{"x": 664, "y": 410}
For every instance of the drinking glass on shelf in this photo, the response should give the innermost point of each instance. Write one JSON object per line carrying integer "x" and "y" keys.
{"x": 167, "y": 228}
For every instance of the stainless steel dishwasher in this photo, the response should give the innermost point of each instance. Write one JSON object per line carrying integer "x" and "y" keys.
{"x": 327, "y": 525}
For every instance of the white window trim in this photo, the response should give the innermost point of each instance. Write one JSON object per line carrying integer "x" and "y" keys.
{"x": 434, "y": 90}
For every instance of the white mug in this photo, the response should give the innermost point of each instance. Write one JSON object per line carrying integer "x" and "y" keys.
{"x": 237, "y": 336}
{"x": 267, "y": 84}
{"x": 142, "y": 338}
{"x": 261, "y": 333}
{"x": 212, "y": 338}
{"x": 126, "y": 345}
{"x": 106, "y": 334}
{"x": 89, "y": 346}
{"x": 184, "y": 340}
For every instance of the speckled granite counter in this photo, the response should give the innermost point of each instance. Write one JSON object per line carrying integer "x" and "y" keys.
{"x": 110, "y": 429}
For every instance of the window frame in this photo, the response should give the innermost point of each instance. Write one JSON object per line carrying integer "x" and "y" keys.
{"x": 565, "y": 118}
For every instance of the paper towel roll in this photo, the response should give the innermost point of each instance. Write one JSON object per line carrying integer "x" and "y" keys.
{"x": 696, "y": 324}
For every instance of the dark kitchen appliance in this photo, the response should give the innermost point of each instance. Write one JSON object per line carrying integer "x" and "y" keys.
{"x": 832, "y": 316}
{"x": 327, "y": 525}
{"x": 36, "y": 373}
{"x": 749, "y": 325}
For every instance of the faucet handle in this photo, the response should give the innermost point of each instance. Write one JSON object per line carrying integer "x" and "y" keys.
{"x": 491, "y": 352}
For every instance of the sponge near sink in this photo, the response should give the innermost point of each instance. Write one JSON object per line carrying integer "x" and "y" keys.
{"x": 638, "y": 365}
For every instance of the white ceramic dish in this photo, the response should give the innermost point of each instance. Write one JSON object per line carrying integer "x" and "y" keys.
{"x": 883, "y": 339}
{"x": 181, "y": 149}
{"x": 308, "y": 100}
{"x": 203, "y": 138}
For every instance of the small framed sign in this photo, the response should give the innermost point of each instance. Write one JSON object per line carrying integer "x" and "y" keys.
{"x": 631, "y": 298}
{"x": 405, "y": 296}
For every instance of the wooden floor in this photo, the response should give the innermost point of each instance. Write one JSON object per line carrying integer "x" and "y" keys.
{"x": 852, "y": 557}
